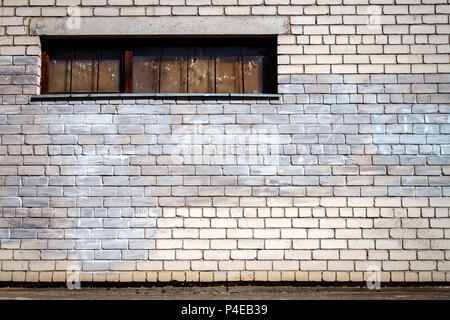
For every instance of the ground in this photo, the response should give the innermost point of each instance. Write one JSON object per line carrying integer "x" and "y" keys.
{"x": 222, "y": 292}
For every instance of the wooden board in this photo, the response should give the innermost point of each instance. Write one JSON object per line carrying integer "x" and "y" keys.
{"x": 109, "y": 70}
{"x": 201, "y": 70}
{"x": 174, "y": 69}
{"x": 59, "y": 69}
{"x": 85, "y": 70}
{"x": 228, "y": 69}
{"x": 257, "y": 69}
{"x": 146, "y": 64}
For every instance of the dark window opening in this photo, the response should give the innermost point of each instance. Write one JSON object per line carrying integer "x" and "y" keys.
{"x": 159, "y": 66}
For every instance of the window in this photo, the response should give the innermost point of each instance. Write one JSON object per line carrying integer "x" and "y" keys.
{"x": 159, "y": 66}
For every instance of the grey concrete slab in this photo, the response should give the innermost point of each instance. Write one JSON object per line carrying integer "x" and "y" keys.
{"x": 154, "y": 26}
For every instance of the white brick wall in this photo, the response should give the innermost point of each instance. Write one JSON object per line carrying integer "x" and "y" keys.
{"x": 363, "y": 172}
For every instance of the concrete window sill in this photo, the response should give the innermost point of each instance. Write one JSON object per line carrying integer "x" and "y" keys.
{"x": 109, "y": 96}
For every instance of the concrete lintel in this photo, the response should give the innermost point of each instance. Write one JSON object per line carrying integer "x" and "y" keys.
{"x": 157, "y": 26}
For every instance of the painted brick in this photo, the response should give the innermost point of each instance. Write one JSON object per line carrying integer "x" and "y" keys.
{"x": 362, "y": 122}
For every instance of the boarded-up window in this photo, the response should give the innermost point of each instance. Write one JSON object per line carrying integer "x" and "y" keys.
{"x": 160, "y": 66}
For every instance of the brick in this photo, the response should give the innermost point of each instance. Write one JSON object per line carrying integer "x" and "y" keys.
{"x": 362, "y": 122}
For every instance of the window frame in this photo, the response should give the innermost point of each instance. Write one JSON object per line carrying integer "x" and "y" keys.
{"x": 126, "y": 63}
